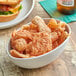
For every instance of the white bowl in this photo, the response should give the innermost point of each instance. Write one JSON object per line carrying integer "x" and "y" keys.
{"x": 42, "y": 60}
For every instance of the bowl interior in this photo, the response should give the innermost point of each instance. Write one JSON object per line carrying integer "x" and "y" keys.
{"x": 46, "y": 21}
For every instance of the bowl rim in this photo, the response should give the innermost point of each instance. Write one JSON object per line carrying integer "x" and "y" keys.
{"x": 36, "y": 57}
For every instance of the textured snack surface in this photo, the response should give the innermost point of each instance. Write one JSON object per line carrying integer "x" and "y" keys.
{"x": 38, "y": 38}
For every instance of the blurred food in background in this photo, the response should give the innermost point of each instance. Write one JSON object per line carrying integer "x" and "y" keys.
{"x": 66, "y": 6}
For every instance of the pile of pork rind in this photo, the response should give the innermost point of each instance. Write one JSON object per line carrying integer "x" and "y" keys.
{"x": 37, "y": 38}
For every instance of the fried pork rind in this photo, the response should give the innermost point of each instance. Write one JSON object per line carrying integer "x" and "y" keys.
{"x": 32, "y": 28}
{"x": 55, "y": 44}
{"x": 25, "y": 27}
{"x": 21, "y": 34}
{"x": 19, "y": 44}
{"x": 61, "y": 26}
{"x": 41, "y": 24}
{"x": 63, "y": 36}
{"x": 40, "y": 44}
{"x": 16, "y": 54}
{"x": 37, "y": 38}
{"x": 54, "y": 36}
{"x": 52, "y": 24}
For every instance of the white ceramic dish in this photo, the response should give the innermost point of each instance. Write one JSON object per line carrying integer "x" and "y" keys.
{"x": 28, "y": 6}
{"x": 42, "y": 60}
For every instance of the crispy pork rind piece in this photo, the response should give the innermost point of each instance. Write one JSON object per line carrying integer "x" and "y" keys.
{"x": 40, "y": 44}
{"x": 41, "y": 24}
{"x": 32, "y": 28}
{"x": 19, "y": 44}
{"x": 54, "y": 36}
{"x": 55, "y": 44}
{"x": 16, "y": 54}
{"x": 52, "y": 24}
{"x": 63, "y": 36}
{"x": 25, "y": 27}
{"x": 21, "y": 34}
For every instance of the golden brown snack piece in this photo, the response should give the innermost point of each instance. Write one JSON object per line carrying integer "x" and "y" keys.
{"x": 40, "y": 44}
{"x": 54, "y": 36}
{"x": 63, "y": 36}
{"x": 61, "y": 26}
{"x": 21, "y": 34}
{"x": 52, "y": 24}
{"x": 31, "y": 28}
{"x": 41, "y": 24}
{"x": 25, "y": 27}
{"x": 16, "y": 54}
{"x": 19, "y": 44}
{"x": 55, "y": 44}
